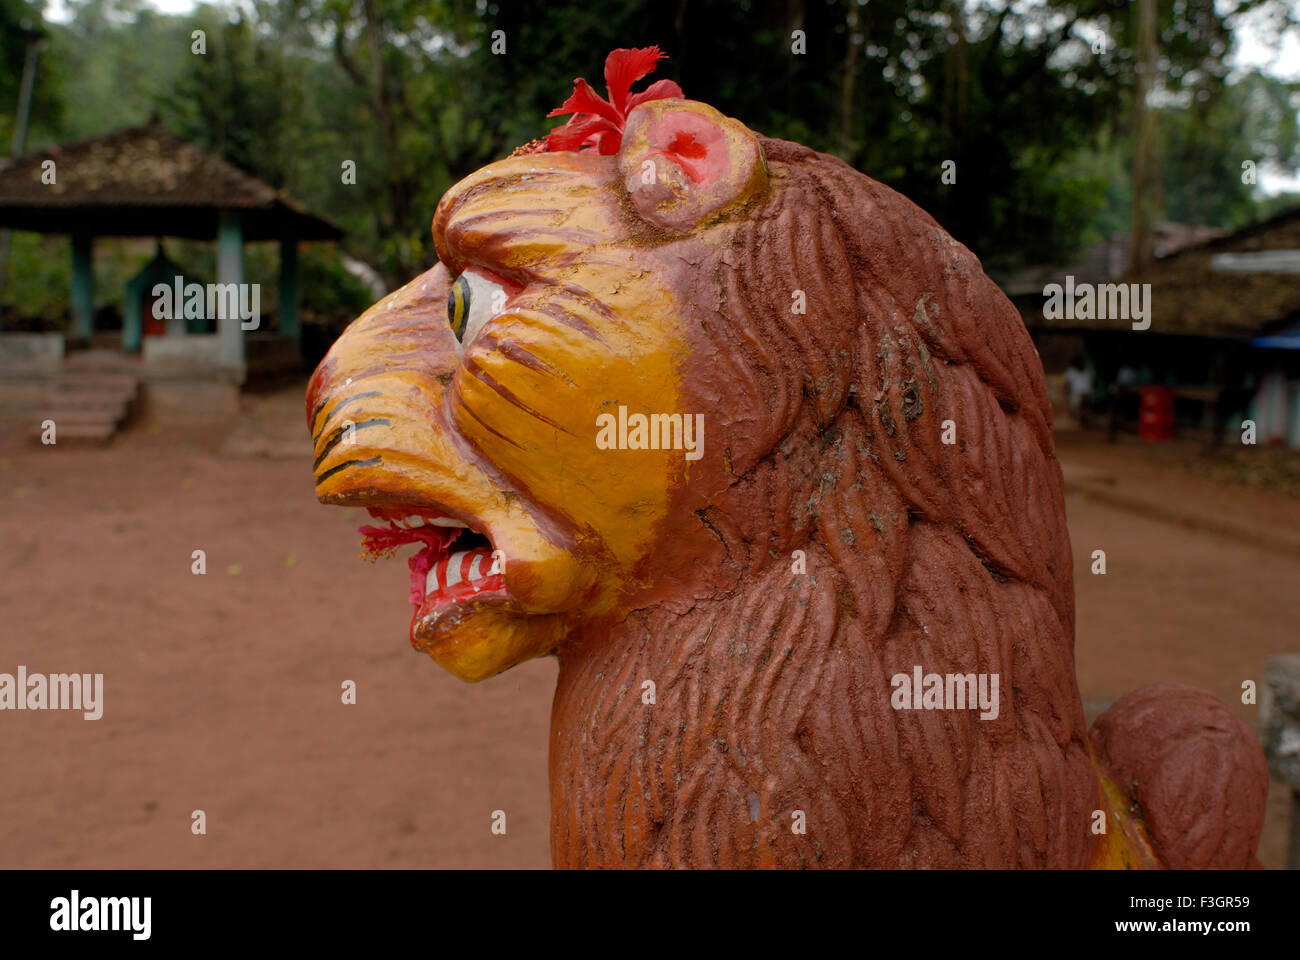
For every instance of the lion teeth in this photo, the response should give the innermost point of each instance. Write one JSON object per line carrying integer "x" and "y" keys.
{"x": 453, "y": 568}
{"x": 415, "y": 520}
{"x": 464, "y": 566}
{"x": 447, "y": 522}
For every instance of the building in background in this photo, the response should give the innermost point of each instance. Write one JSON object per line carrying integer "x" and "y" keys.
{"x": 1223, "y": 334}
{"x": 144, "y": 182}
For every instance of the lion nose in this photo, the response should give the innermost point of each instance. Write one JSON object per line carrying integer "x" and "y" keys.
{"x": 407, "y": 330}
{"x": 374, "y": 395}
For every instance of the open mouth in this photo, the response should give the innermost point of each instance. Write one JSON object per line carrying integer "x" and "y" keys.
{"x": 454, "y": 567}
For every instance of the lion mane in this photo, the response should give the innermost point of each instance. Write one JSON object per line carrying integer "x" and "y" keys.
{"x": 774, "y": 696}
{"x": 879, "y": 495}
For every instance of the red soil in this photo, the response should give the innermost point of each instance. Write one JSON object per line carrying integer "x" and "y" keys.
{"x": 223, "y": 691}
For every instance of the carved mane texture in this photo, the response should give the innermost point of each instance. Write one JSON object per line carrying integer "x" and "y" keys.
{"x": 773, "y": 695}
{"x": 877, "y": 491}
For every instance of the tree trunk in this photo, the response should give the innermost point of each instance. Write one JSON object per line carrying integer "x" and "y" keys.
{"x": 1140, "y": 253}
{"x": 847, "y": 83}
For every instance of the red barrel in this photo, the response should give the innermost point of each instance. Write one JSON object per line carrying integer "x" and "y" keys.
{"x": 1156, "y": 414}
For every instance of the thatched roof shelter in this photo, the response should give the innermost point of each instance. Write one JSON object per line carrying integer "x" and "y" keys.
{"x": 143, "y": 181}
{"x": 1237, "y": 286}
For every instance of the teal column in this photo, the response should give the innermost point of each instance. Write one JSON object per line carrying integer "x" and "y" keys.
{"x": 1293, "y": 436}
{"x": 289, "y": 288}
{"x": 230, "y": 269}
{"x": 133, "y": 313}
{"x": 83, "y": 286}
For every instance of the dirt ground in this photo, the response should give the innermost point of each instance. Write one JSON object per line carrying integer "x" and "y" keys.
{"x": 223, "y": 691}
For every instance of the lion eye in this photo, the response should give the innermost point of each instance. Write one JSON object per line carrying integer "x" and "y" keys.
{"x": 472, "y": 301}
{"x": 458, "y": 306}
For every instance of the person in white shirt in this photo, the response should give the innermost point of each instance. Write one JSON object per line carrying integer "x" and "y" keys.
{"x": 1079, "y": 379}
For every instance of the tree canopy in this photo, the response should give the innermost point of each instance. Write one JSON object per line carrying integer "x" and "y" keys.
{"x": 1029, "y": 105}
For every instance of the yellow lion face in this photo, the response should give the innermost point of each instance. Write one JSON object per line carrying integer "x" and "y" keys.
{"x": 525, "y": 412}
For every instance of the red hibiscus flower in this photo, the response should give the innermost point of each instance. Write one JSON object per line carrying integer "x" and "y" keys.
{"x": 597, "y": 122}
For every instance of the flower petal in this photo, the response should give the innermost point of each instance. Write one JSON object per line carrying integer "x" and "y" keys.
{"x": 609, "y": 142}
{"x": 596, "y": 122}
{"x": 586, "y": 100}
{"x": 572, "y": 135}
{"x": 659, "y": 90}
{"x": 625, "y": 67}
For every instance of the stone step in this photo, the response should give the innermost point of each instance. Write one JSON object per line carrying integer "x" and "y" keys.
{"x": 123, "y": 384}
{"x": 114, "y": 414}
{"x": 100, "y": 361}
{"x": 87, "y": 401}
{"x": 77, "y": 433}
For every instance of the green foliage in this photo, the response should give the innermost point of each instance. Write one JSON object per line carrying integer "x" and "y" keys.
{"x": 20, "y": 25}
{"x": 1038, "y": 124}
{"x": 40, "y": 276}
{"x": 115, "y": 60}
{"x": 1278, "y": 203}
{"x": 339, "y": 295}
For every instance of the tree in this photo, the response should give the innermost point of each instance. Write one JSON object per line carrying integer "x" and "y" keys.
{"x": 20, "y": 20}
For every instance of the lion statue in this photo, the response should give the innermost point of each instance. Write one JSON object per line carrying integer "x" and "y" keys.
{"x": 757, "y": 451}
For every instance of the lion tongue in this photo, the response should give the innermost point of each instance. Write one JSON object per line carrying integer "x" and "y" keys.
{"x": 381, "y": 541}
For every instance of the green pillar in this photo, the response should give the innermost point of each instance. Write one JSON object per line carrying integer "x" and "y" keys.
{"x": 230, "y": 269}
{"x": 289, "y": 288}
{"x": 83, "y": 286}
{"x": 1293, "y": 435}
{"x": 133, "y": 313}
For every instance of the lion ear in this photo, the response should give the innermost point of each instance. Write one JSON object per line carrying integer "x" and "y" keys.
{"x": 683, "y": 163}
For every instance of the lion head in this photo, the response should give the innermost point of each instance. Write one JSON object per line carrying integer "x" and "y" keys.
{"x": 737, "y": 434}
